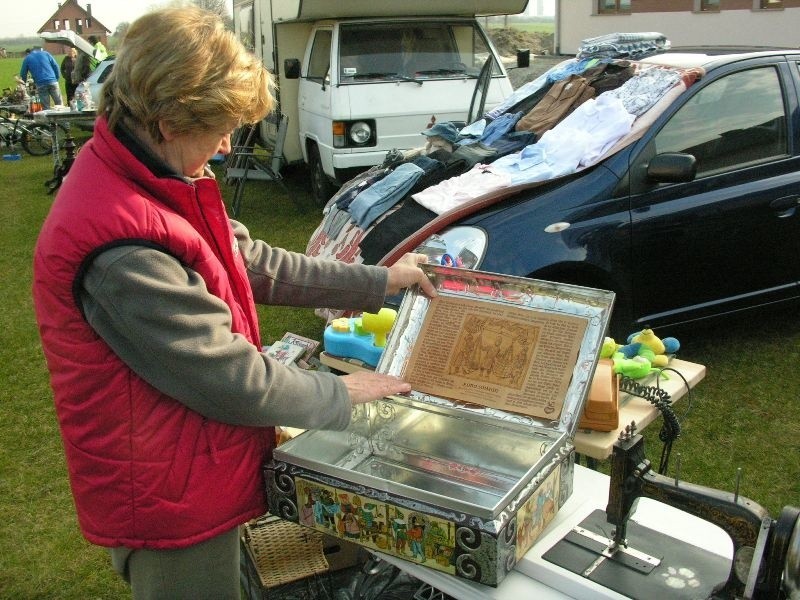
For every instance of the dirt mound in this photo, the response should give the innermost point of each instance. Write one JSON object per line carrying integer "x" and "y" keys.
{"x": 508, "y": 41}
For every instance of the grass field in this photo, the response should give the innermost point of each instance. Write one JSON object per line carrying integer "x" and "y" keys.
{"x": 529, "y": 27}
{"x": 744, "y": 414}
{"x": 8, "y": 68}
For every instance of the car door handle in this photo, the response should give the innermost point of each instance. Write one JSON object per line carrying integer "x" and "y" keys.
{"x": 785, "y": 203}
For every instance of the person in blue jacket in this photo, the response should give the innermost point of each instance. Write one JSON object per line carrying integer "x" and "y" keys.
{"x": 45, "y": 72}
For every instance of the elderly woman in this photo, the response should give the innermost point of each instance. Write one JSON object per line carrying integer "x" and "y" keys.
{"x": 145, "y": 296}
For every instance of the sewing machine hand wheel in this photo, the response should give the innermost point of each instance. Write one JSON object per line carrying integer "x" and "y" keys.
{"x": 791, "y": 581}
{"x": 782, "y": 561}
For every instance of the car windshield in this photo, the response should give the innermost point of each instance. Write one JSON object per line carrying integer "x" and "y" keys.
{"x": 411, "y": 51}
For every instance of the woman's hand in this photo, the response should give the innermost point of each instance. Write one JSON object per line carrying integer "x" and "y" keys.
{"x": 366, "y": 386}
{"x": 406, "y": 272}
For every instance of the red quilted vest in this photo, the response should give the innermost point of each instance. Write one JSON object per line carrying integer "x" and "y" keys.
{"x": 145, "y": 470}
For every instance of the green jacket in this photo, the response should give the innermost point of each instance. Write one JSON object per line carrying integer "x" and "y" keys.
{"x": 98, "y": 55}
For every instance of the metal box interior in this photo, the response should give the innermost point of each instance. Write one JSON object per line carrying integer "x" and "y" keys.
{"x": 465, "y": 462}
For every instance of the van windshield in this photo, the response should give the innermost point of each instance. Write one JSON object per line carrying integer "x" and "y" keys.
{"x": 412, "y": 51}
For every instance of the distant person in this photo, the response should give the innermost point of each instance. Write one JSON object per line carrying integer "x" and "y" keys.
{"x": 99, "y": 54}
{"x": 67, "y": 67}
{"x": 45, "y": 72}
{"x": 82, "y": 69}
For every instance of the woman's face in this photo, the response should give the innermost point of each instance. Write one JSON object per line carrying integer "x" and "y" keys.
{"x": 188, "y": 153}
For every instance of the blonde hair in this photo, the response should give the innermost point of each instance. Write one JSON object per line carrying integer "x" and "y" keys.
{"x": 182, "y": 66}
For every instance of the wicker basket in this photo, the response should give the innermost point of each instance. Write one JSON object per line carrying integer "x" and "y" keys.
{"x": 283, "y": 552}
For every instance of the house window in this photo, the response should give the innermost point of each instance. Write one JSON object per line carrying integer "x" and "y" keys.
{"x": 767, "y": 4}
{"x": 57, "y": 24}
{"x": 708, "y": 6}
{"x": 66, "y": 24}
{"x": 611, "y": 7}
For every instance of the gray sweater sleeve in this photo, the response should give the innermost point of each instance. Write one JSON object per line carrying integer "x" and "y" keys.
{"x": 159, "y": 318}
{"x": 287, "y": 278}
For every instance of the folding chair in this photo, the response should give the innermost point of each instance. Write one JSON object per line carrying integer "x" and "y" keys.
{"x": 252, "y": 158}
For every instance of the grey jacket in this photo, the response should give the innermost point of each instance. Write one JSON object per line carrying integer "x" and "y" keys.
{"x": 158, "y": 317}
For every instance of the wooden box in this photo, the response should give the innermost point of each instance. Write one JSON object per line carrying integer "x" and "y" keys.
{"x": 464, "y": 473}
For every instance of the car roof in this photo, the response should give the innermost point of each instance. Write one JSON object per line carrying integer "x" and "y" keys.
{"x": 713, "y": 56}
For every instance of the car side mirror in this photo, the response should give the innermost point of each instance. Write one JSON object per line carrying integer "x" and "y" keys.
{"x": 672, "y": 167}
{"x": 291, "y": 68}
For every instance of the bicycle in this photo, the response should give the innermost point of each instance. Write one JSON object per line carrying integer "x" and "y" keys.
{"x": 34, "y": 138}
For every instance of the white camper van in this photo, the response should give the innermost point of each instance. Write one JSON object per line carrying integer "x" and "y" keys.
{"x": 359, "y": 78}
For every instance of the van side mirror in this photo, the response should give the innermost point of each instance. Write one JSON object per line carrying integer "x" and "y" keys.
{"x": 291, "y": 68}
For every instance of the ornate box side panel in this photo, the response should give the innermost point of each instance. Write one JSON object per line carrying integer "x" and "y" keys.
{"x": 457, "y": 543}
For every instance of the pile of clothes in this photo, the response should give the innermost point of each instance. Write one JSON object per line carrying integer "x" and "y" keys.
{"x": 568, "y": 119}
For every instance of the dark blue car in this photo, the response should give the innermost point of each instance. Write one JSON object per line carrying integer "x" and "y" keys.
{"x": 696, "y": 218}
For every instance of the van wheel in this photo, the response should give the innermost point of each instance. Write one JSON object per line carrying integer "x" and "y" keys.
{"x": 321, "y": 187}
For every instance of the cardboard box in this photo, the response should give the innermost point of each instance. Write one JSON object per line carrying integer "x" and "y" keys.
{"x": 463, "y": 474}
{"x": 601, "y": 411}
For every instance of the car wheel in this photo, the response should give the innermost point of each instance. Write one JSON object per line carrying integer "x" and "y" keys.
{"x": 621, "y": 322}
{"x": 321, "y": 187}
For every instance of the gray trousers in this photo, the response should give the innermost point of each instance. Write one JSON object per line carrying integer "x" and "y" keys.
{"x": 209, "y": 569}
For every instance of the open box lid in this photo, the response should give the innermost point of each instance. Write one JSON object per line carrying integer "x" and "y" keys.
{"x": 508, "y": 348}
{"x": 68, "y": 38}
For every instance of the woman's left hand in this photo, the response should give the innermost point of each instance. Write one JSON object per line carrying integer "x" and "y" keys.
{"x": 406, "y": 272}
{"x": 366, "y": 386}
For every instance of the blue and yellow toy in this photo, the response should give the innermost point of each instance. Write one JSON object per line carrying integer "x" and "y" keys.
{"x": 362, "y": 338}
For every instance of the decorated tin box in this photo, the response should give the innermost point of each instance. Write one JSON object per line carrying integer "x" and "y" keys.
{"x": 464, "y": 473}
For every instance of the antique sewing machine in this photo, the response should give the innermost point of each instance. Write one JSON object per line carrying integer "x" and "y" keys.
{"x": 611, "y": 549}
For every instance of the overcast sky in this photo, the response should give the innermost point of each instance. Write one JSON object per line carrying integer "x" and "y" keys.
{"x": 30, "y": 15}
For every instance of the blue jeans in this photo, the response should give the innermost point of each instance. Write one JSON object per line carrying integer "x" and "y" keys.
{"x": 47, "y": 91}
{"x": 382, "y": 195}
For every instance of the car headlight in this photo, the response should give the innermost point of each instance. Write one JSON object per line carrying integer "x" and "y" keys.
{"x": 459, "y": 246}
{"x": 360, "y": 132}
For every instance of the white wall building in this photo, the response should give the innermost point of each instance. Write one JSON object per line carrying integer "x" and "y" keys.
{"x": 683, "y": 22}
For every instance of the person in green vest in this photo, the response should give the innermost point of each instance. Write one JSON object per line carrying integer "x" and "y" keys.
{"x": 99, "y": 54}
